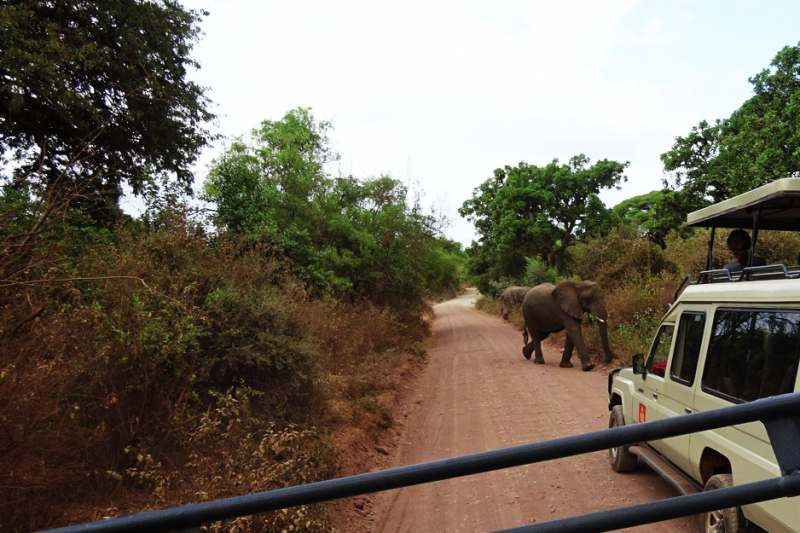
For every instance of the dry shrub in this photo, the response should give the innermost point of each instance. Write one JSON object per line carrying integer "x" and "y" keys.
{"x": 618, "y": 258}
{"x": 516, "y": 318}
{"x": 488, "y": 305}
{"x": 104, "y": 369}
{"x": 634, "y": 313}
{"x": 229, "y": 451}
{"x": 689, "y": 254}
{"x": 364, "y": 351}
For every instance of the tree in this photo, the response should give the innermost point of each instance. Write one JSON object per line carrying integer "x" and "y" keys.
{"x": 98, "y": 91}
{"x": 360, "y": 239}
{"x": 653, "y": 214}
{"x": 758, "y": 143}
{"x": 530, "y": 211}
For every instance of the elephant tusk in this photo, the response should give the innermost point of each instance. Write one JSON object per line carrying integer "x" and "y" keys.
{"x": 600, "y": 320}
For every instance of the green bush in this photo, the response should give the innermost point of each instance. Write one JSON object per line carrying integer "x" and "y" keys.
{"x": 537, "y": 272}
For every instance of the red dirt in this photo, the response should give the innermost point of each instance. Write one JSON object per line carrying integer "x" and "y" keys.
{"x": 478, "y": 393}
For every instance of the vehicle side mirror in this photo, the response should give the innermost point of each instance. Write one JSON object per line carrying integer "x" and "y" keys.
{"x": 638, "y": 363}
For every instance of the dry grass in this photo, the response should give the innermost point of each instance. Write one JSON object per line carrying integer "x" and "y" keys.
{"x": 218, "y": 377}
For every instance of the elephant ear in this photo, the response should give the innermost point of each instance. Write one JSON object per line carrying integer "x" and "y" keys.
{"x": 566, "y": 295}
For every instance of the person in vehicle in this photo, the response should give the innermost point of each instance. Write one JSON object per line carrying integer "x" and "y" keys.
{"x": 739, "y": 246}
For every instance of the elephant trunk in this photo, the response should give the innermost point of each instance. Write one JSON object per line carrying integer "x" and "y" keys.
{"x": 601, "y": 324}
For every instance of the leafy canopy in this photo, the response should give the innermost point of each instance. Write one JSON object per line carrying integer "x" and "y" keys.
{"x": 529, "y": 211}
{"x": 652, "y": 214}
{"x": 757, "y": 144}
{"x": 363, "y": 239}
{"x": 99, "y": 90}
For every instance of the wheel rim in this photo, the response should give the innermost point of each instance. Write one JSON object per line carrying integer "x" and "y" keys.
{"x": 715, "y": 522}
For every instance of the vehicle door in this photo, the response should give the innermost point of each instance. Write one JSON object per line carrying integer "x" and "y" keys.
{"x": 753, "y": 353}
{"x": 676, "y": 395}
{"x": 648, "y": 386}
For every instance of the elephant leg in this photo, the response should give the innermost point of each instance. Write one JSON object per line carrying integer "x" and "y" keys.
{"x": 527, "y": 350}
{"x": 535, "y": 345}
{"x": 574, "y": 333}
{"x": 567, "y": 355}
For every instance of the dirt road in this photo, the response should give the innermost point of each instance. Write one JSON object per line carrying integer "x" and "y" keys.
{"x": 477, "y": 394}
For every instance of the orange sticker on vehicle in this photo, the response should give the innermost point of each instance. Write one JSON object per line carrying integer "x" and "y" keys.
{"x": 642, "y": 412}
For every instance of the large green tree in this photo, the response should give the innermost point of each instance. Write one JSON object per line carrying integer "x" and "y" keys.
{"x": 652, "y": 214}
{"x": 96, "y": 93}
{"x": 358, "y": 238}
{"x": 530, "y": 211}
{"x": 758, "y": 143}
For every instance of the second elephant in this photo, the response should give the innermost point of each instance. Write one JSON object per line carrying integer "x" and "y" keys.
{"x": 551, "y": 308}
{"x": 510, "y": 298}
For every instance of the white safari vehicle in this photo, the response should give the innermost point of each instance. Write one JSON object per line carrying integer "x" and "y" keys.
{"x": 728, "y": 338}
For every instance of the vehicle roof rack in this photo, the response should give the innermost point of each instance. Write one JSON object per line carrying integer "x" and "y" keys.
{"x": 778, "y": 271}
{"x": 717, "y": 276}
{"x": 756, "y": 273}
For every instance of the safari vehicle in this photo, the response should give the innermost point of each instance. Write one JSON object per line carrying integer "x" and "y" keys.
{"x": 728, "y": 338}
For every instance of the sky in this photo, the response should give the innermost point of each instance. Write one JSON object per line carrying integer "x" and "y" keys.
{"x": 439, "y": 93}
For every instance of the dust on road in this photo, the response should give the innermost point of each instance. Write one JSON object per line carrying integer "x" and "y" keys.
{"x": 477, "y": 394}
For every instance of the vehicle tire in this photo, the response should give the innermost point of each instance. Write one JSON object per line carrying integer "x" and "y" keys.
{"x": 621, "y": 459}
{"x": 730, "y": 520}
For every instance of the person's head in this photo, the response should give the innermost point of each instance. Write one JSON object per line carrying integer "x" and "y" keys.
{"x": 739, "y": 243}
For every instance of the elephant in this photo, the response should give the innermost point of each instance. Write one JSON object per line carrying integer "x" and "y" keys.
{"x": 551, "y": 308}
{"x": 510, "y": 298}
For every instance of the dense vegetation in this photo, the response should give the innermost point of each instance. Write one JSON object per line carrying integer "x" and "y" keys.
{"x": 185, "y": 354}
{"x": 640, "y": 250}
{"x": 528, "y": 211}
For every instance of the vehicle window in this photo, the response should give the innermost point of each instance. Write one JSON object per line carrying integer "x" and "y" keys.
{"x": 659, "y": 353}
{"x": 687, "y": 347}
{"x": 753, "y": 354}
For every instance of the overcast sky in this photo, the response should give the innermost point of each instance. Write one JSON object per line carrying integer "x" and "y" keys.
{"x": 441, "y": 93}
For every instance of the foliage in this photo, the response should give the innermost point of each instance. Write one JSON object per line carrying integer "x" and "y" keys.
{"x": 537, "y": 272}
{"x": 617, "y": 258}
{"x": 115, "y": 344}
{"x": 98, "y": 92}
{"x": 360, "y": 239}
{"x": 758, "y": 143}
{"x": 529, "y": 211}
{"x": 653, "y": 214}
{"x": 232, "y": 452}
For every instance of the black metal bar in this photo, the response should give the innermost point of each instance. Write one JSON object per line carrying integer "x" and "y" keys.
{"x": 756, "y": 218}
{"x": 647, "y": 513}
{"x": 784, "y": 435}
{"x": 711, "y": 246}
{"x": 200, "y": 513}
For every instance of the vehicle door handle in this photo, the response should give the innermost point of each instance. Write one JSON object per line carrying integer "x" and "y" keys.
{"x": 640, "y": 390}
{"x": 655, "y": 396}
{"x": 688, "y": 410}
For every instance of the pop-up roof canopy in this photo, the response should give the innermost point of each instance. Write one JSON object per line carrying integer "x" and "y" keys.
{"x": 779, "y": 202}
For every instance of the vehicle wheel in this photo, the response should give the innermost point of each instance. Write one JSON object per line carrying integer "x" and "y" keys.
{"x": 621, "y": 459}
{"x": 730, "y": 520}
